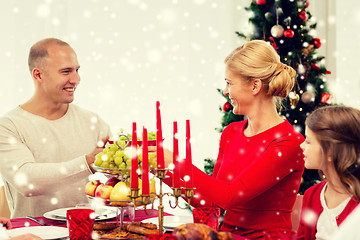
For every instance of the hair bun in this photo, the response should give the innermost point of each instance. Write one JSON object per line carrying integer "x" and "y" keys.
{"x": 282, "y": 80}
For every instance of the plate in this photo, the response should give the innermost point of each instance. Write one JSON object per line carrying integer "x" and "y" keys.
{"x": 171, "y": 222}
{"x": 45, "y": 232}
{"x": 102, "y": 213}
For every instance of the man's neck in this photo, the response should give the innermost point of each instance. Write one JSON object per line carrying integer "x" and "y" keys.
{"x": 48, "y": 111}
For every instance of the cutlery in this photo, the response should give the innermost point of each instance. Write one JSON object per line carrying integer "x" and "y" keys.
{"x": 37, "y": 221}
{"x": 59, "y": 217}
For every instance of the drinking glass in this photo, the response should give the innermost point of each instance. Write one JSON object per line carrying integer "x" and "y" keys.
{"x": 80, "y": 223}
{"x": 207, "y": 215}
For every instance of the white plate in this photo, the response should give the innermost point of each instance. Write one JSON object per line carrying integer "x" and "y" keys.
{"x": 171, "y": 222}
{"x": 102, "y": 213}
{"x": 45, "y": 232}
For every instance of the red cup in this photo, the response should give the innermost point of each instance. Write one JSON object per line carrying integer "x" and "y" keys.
{"x": 80, "y": 223}
{"x": 281, "y": 234}
{"x": 207, "y": 215}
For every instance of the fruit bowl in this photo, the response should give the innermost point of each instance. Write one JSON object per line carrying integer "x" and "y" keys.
{"x": 139, "y": 142}
{"x": 122, "y": 173}
{"x": 110, "y": 203}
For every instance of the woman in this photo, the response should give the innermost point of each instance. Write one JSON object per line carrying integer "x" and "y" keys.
{"x": 333, "y": 146}
{"x": 259, "y": 166}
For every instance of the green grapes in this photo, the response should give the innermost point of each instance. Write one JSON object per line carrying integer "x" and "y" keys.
{"x": 118, "y": 160}
{"x": 115, "y": 157}
{"x": 151, "y": 136}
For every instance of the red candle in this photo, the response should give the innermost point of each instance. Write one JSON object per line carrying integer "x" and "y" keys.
{"x": 176, "y": 177}
{"x": 188, "y": 163}
{"x": 134, "y": 159}
{"x": 159, "y": 139}
{"x": 145, "y": 164}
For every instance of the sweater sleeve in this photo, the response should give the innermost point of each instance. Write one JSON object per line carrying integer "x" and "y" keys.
{"x": 310, "y": 212}
{"x": 268, "y": 169}
{"x": 199, "y": 200}
{"x": 19, "y": 168}
{"x": 31, "y": 178}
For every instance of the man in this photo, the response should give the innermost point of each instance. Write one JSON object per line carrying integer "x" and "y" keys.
{"x": 48, "y": 144}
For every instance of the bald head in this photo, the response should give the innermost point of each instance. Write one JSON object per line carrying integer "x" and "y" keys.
{"x": 39, "y": 52}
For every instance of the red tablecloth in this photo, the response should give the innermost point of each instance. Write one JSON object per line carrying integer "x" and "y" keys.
{"x": 139, "y": 216}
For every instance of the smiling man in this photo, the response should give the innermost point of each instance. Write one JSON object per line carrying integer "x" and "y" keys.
{"x": 48, "y": 144}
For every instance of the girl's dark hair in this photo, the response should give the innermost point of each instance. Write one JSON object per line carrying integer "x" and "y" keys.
{"x": 337, "y": 128}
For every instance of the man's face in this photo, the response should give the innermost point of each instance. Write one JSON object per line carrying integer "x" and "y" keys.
{"x": 60, "y": 75}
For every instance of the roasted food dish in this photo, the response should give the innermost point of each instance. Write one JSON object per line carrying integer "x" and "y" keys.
{"x": 135, "y": 230}
{"x": 199, "y": 231}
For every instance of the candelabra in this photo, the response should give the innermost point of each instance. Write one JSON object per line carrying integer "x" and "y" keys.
{"x": 150, "y": 199}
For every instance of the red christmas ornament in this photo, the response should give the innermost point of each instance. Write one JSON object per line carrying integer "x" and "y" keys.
{"x": 303, "y": 15}
{"x": 289, "y": 33}
{"x": 326, "y": 98}
{"x": 260, "y": 2}
{"x": 317, "y": 43}
{"x": 226, "y": 107}
{"x": 273, "y": 43}
{"x": 314, "y": 66}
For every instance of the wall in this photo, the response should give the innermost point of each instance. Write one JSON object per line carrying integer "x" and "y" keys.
{"x": 338, "y": 22}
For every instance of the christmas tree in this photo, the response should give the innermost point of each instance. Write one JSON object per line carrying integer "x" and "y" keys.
{"x": 288, "y": 27}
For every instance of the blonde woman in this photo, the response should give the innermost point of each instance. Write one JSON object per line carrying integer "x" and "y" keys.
{"x": 333, "y": 146}
{"x": 260, "y": 163}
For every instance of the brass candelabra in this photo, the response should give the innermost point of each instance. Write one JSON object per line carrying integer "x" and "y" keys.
{"x": 150, "y": 199}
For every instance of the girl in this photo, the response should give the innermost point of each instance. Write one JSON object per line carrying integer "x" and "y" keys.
{"x": 333, "y": 146}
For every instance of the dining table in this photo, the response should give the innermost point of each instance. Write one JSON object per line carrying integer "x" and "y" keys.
{"x": 140, "y": 215}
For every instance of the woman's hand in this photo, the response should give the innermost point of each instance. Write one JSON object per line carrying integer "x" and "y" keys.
{"x": 168, "y": 155}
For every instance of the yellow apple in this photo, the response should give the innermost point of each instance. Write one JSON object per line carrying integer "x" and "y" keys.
{"x": 91, "y": 186}
{"x": 120, "y": 192}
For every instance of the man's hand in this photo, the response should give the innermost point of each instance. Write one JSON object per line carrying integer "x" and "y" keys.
{"x": 5, "y": 222}
{"x": 28, "y": 236}
{"x": 90, "y": 158}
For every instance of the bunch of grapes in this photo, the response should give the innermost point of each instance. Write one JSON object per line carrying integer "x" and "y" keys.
{"x": 151, "y": 136}
{"x": 114, "y": 157}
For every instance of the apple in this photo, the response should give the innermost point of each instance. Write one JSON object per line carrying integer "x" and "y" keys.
{"x": 91, "y": 187}
{"x": 103, "y": 191}
{"x": 112, "y": 181}
{"x": 120, "y": 192}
